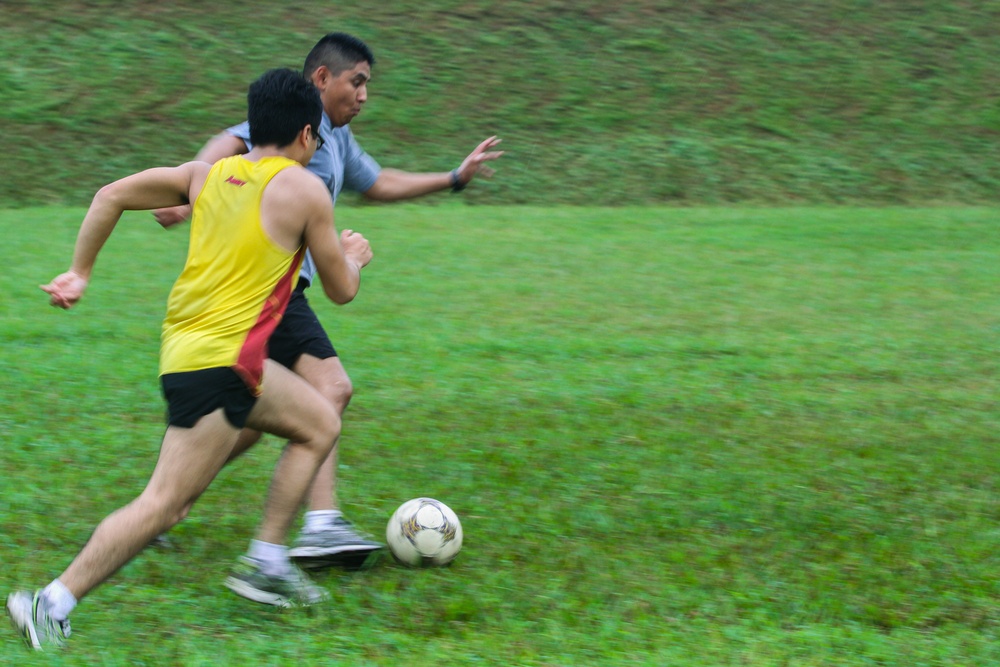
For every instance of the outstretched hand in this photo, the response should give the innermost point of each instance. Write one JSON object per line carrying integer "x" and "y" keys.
{"x": 475, "y": 163}
{"x": 65, "y": 289}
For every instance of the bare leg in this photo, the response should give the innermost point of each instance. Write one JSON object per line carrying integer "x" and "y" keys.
{"x": 248, "y": 438}
{"x": 291, "y": 408}
{"x": 190, "y": 458}
{"x": 330, "y": 379}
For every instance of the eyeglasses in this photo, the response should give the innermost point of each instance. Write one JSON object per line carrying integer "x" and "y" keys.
{"x": 320, "y": 141}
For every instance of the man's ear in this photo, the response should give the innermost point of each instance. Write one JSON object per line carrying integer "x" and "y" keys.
{"x": 320, "y": 77}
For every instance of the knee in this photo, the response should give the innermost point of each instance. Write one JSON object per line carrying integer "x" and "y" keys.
{"x": 339, "y": 391}
{"x": 166, "y": 511}
{"x": 324, "y": 431}
{"x": 329, "y": 377}
{"x": 180, "y": 514}
{"x": 334, "y": 383}
{"x": 328, "y": 431}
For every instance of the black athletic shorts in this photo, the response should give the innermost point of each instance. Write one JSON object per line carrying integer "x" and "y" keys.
{"x": 299, "y": 332}
{"x": 194, "y": 394}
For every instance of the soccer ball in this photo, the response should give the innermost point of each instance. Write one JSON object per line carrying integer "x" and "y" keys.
{"x": 424, "y": 532}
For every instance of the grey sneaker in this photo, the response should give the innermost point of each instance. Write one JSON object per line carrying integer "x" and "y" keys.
{"x": 31, "y": 619}
{"x": 337, "y": 544}
{"x": 294, "y": 589}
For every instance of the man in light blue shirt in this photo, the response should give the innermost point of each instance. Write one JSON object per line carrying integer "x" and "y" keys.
{"x": 340, "y": 67}
{"x": 340, "y": 163}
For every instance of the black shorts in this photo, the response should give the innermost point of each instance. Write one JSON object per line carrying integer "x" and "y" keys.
{"x": 299, "y": 332}
{"x": 194, "y": 394}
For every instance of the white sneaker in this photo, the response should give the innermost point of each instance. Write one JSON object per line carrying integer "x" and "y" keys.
{"x": 30, "y": 617}
{"x": 294, "y": 589}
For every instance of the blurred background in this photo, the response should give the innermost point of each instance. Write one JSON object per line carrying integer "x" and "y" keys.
{"x": 634, "y": 102}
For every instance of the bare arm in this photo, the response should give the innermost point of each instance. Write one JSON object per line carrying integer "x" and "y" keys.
{"x": 220, "y": 146}
{"x": 338, "y": 260}
{"x": 394, "y": 184}
{"x": 161, "y": 186}
{"x": 297, "y": 195}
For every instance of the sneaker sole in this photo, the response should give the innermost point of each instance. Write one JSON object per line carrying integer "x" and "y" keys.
{"x": 359, "y": 559}
{"x": 24, "y": 624}
{"x": 318, "y": 552}
{"x": 247, "y": 591}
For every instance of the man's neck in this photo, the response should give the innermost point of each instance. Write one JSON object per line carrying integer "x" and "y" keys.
{"x": 260, "y": 152}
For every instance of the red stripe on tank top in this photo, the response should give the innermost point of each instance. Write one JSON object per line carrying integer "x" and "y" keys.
{"x": 250, "y": 363}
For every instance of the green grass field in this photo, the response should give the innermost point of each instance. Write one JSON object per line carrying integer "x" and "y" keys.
{"x": 729, "y": 436}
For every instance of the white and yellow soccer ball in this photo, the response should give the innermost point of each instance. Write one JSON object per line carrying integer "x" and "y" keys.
{"x": 424, "y": 532}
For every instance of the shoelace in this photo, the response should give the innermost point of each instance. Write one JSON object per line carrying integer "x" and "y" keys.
{"x": 51, "y": 624}
{"x": 342, "y": 524}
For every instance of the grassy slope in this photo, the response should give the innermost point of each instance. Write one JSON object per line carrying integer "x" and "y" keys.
{"x": 619, "y": 103}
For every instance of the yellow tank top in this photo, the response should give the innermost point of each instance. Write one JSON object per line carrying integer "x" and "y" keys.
{"x": 237, "y": 281}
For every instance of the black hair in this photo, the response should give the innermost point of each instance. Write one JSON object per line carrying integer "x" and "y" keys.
{"x": 338, "y": 51}
{"x": 279, "y": 104}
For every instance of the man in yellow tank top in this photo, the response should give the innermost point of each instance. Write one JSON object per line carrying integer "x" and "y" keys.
{"x": 236, "y": 280}
{"x": 340, "y": 66}
{"x": 253, "y": 217}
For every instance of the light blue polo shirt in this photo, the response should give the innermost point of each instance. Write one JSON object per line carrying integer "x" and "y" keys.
{"x": 341, "y": 163}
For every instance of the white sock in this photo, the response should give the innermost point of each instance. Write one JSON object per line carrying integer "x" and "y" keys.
{"x": 273, "y": 558}
{"x": 317, "y": 520}
{"x": 59, "y": 600}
